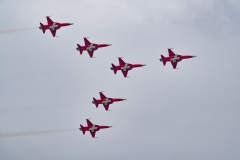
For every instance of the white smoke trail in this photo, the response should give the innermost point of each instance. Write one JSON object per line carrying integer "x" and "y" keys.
{"x": 15, "y": 30}
{"x": 32, "y": 133}
{"x": 9, "y": 109}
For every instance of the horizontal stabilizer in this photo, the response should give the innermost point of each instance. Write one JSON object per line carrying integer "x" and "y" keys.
{"x": 42, "y": 27}
{"x": 80, "y": 48}
{"x": 163, "y": 60}
{"x": 95, "y": 102}
{"x": 82, "y": 129}
{"x": 114, "y": 68}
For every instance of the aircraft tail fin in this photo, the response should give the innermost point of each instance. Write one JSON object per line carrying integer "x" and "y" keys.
{"x": 82, "y": 129}
{"x": 80, "y": 49}
{"x": 42, "y": 27}
{"x": 95, "y": 102}
{"x": 163, "y": 60}
{"x": 114, "y": 68}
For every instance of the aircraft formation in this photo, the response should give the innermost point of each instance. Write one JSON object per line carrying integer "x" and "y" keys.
{"x": 123, "y": 66}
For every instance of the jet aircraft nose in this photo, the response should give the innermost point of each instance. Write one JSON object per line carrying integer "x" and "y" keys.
{"x": 143, "y": 64}
{"x": 109, "y": 44}
{"x": 194, "y": 56}
{"x": 124, "y": 99}
{"x": 110, "y": 126}
{"x": 71, "y": 23}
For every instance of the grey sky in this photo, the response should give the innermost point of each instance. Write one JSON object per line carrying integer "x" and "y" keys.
{"x": 190, "y": 113}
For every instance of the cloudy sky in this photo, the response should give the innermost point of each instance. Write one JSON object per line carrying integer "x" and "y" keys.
{"x": 185, "y": 114}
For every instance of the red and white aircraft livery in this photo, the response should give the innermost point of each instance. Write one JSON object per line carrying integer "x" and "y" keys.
{"x": 52, "y": 26}
{"x": 106, "y": 101}
{"x": 92, "y": 128}
{"x": 90, "y": 47}
{"x": 124, "y": 67}
{"x": 174, "y": 58}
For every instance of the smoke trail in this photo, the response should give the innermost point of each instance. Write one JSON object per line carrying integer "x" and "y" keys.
{"x": 15, "y": 30}
{"x": 10, "y": 109}
{"x": 32, "y": 133}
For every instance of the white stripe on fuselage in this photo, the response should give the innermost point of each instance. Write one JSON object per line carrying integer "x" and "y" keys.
{"x": 93, "y": 128}
{"x": 106, "y": 101}
{"x": 175, "y": 58}
{"x": 125, "y": 67}
{"x": 91, "y": 47}
{"x": 53, "y": 26}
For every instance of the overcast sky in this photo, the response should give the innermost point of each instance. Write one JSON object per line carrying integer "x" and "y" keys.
{"x": 184, "y": 114}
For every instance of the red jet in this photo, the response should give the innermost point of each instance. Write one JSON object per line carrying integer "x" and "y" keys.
{"x": 90, "y": 47}
{"x": 106, "y": 101}
{"x": 92, "y": 128}
{"x": 53, "y": 26}
{"x": 174, "y": 58}
{"x": 124, "y": 67}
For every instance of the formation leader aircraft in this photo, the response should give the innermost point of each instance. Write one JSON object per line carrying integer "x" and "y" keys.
{"x": 92, "y": 128}
{"x": 106, "y": 101}
{"x": 174, "y": 58}
{"x": 90, "y": 47}
{"x": 53, "y": 26}
{"x": 124, "y": 67}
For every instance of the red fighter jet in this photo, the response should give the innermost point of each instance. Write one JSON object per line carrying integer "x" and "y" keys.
{"x": 90, "y": 47}
{"x": 124, "y": 67}
{"x": 106, "y": 101}
{"x": 92, "y": 128}
{"x": 174, "y": 58}
{"x": 53, "y": 26}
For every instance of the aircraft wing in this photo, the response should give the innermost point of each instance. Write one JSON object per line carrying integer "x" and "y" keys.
{"x": 106, "y": 106}
{"x": 102, "y": 95}
{"x": 86, "y": 41}
{"x": 89, "y": 123}
{"x": 121, "y": 62}
{"x": 90, "y": 53}
{"x": 53, "y": 32}
{"x": 174, "y": 64}
{"x": 125, "y": 73}
{"x": 49, "y": 21}
{"x": 170, "y": 52}
{"x": 93, "y": 133}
